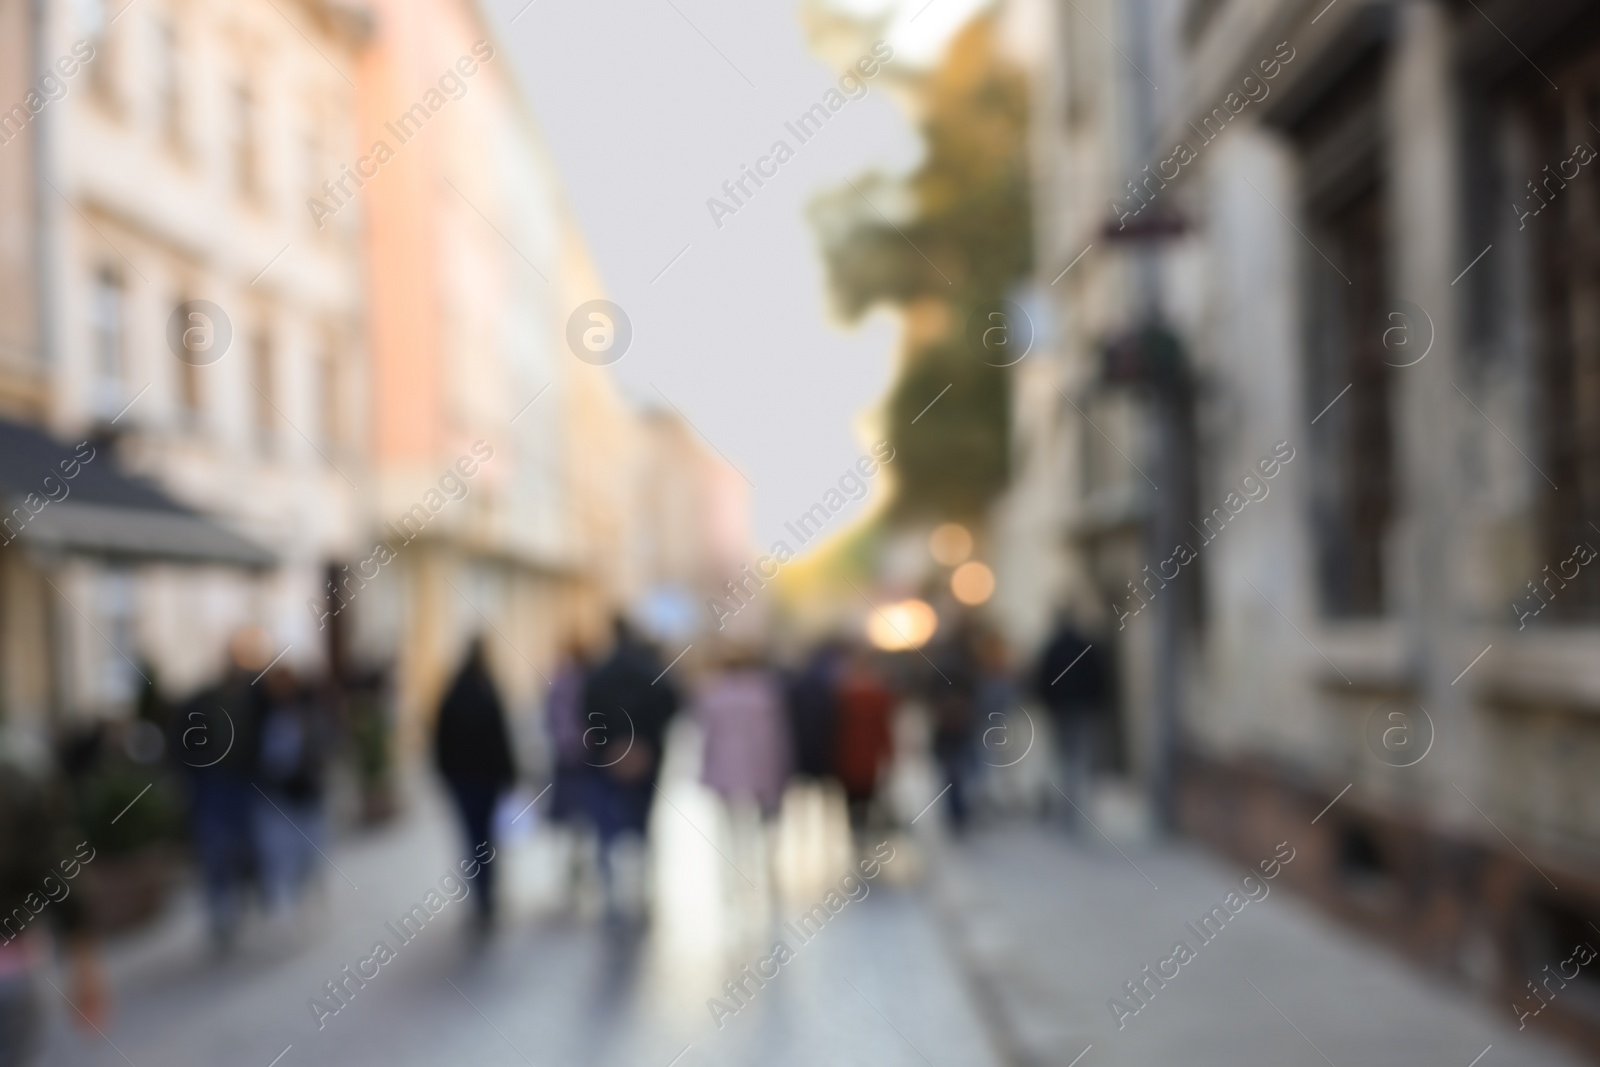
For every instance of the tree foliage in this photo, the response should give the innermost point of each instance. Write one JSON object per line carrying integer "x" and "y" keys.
{"x": 952, "y": 236}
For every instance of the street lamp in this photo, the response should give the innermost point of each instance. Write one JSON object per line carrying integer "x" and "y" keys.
{"x": 1150, "y": 361}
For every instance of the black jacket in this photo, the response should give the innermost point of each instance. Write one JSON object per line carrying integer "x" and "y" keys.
{"x": 1085, "y": 688}
{"x": 470, "y": 741}
{"x": 623, "y": 699}
{"x": 218, "y": 731}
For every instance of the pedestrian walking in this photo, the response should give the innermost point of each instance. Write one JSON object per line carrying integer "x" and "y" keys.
{"x": 291, "y": 754}
{"x": 564, "y": 720}
{"x": 215, "y": 738}
{"x": 865, "y": 740}
{"x": 740, "y": 710}
{"x": 813, "y": 826}
{"x": 1072, "y": 682}
{"x": 995, "y": 736}
{"x": 472, "y": 750}
{"x": 812, "y": 703}
{"x": 571, "y": 783}
{"x": 952, "y": 696}
{"x": 627, "y": 704}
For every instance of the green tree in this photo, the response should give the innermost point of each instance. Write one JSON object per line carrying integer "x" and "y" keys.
{"x": 938, "y": 245}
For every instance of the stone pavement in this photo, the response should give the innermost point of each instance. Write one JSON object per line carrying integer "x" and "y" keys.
{"x": 874, "y": 986}
{"x": 1051, "y": 928}
{"x": 1002, "y": 949}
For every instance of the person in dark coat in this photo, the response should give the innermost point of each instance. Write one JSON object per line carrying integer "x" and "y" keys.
{"x": 472, "y": 749}
{"x": 627, "y": 704}
{"x": 813, "y": 706}
{"x": 215, "y": 736}
{"x": 564, "y": 720}
{"x": 952, "y": 695}
{"x": 292, "y": 747}
{"x": 1072, "y": 682}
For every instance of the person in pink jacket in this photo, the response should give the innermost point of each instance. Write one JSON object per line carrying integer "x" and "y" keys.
{"x": 740, "y": 709}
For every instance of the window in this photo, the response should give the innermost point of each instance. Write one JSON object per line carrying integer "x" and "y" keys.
{"x": 92, "y": 18}
{"x": 328, "y": 396}
{"x": 311, "y": 156}
{"x": 262, "y": 367}
{"x": 321, "y": 137}
{"x": 1198, "y": 18}
{"x": 106, "y": 338}
{"x": 115, "y": 679}
{"x": 168, "y": 101}
{"x": 1349, "y": 381}
{"x": 1565, "y": 234}
{"x": 96, "y": 29}
{"x": 1354, "y": 496}
{"x": 244, "y": 143}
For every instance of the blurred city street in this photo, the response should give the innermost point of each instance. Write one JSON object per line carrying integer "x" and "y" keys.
{"x": 959, "y": 533}
{"x": 1002, "y": 948}
{"x": 549, "y": 989}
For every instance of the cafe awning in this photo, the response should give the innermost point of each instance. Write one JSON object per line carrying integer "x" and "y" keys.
{"x": 72, "y": 499}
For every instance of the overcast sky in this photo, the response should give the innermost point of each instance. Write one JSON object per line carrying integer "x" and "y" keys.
{"x": 648, "y": 106}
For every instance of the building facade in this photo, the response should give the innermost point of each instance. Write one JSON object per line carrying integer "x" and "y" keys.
{"x": 186, "y": 323}
{"x": 500, "y": 456}
{"x": 1338, "y": 267}
{"x": 307, "y": 270}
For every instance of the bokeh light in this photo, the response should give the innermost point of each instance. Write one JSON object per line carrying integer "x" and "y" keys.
{"x": 904, "y": 625}
{"x": 950, "y": 544}
{"x": 972, "y": 583}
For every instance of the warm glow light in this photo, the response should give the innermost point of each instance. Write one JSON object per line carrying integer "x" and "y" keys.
{"x": 972, "y": 583}
{"x": 898, "y": 627}
{"x": 950, "y": 544}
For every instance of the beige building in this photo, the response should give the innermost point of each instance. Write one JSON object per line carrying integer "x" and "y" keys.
{"x": 576, "y": 505}
{"x": 691, "y": 530}
{"x": 168, "y": 157}
{"x": 21, "y": 390}
{"x": 307, "y": 270}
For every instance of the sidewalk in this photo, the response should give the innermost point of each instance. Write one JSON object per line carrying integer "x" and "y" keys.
{"x": 1051, "y": 929}
{"x": 875, "y": 986}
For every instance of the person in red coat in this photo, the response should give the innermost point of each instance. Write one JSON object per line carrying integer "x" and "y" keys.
{"x": 865, "y": 740}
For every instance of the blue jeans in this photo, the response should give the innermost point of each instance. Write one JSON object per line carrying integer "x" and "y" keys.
{"x": 224, "y": 843}
{"x": 286, "y": 842}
